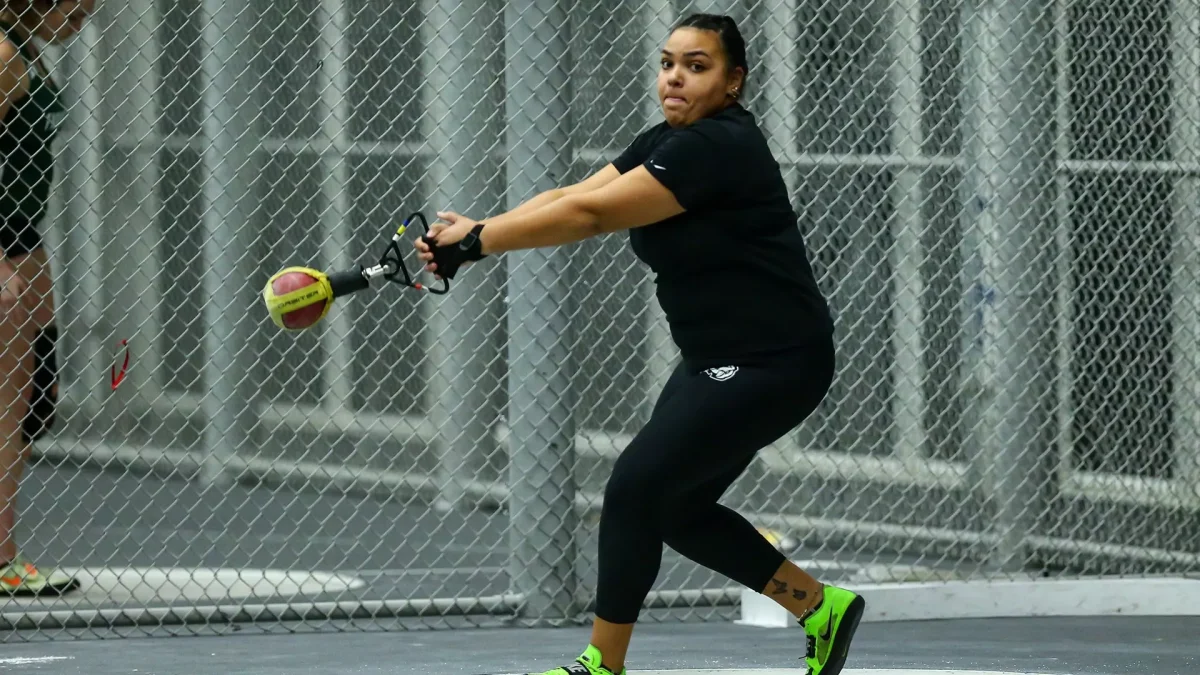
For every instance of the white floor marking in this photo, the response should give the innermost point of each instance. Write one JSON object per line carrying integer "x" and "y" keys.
{"x": 32, "y": 660}
{"x": 906, "y": 601}
{"x": 157, "y": 584}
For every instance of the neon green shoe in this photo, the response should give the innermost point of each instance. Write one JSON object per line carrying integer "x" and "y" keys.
{"x": 588, "y": 663}
{"x": 830, "y": 628}
{"x": 22, "y": 578}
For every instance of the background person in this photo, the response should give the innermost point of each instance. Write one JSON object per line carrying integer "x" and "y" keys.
{"x": 32, "y": 110}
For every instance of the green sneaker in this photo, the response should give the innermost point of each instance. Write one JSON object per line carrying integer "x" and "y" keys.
{"x": 830, "y": 628}
{"x": 588, "y": 663}
{"x": 22, "y": 578}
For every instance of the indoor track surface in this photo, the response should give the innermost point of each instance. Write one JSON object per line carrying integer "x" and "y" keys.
{"x": 1049, "y": 646}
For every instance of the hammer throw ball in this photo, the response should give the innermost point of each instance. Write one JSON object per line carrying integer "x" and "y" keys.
{"x": 298, "y": 297}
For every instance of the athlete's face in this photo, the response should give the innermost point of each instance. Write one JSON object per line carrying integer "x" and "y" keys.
{"x": 57, "y": 22}
{"x": 694, "y": 78}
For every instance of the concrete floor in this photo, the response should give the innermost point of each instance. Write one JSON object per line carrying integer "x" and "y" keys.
{"x": 117, "y": 521}
{"x": 1091, "y": 646}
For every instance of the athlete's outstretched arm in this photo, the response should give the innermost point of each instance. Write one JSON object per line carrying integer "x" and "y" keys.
{"x": 633, "y": 199}
{"x": 595, "y": 181}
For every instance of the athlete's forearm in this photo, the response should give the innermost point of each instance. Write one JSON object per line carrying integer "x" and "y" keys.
{"x": 535, "y": 203}
{"x": 564, "y": 220}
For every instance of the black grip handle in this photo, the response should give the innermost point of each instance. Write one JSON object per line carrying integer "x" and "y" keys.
{"x": 347, "y": 282}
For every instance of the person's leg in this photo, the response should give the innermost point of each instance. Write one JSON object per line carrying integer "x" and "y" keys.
{"x": 770, "y": 401}
{"x": 698, "y": 441}
{"x": 700, "y": 526}
{"x": 16, "y": 365}
{"x": 612, "y": 635}
{"x": 43, "y": 395}
{"x": 19, "y": 332}
{"x": 612, "y": 639}
{"x": 720, "y": 539}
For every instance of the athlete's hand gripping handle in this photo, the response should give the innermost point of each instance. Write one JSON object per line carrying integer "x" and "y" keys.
{"x": 447, "y": 258}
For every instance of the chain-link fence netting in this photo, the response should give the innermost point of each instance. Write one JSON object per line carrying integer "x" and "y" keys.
{"x": 1000, "y": 198}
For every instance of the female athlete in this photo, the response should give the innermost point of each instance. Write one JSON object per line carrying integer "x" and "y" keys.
{"x": 703, "y": 200}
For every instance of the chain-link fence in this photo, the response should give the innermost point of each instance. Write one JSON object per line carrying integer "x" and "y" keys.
{"x": 1001, "y": 198}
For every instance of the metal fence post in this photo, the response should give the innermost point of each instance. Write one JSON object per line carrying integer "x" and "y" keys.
{"x": 1064, "y": 299}
{"x": 907, "y": 226}
{"x": 83, "y": 186}
{"x": 334, "y": 47}
{"x": 661, "y": 352}
{"x": 781, "y": 63}
{"x": 456, "y": 179}
{"x": 541, "y": 402}
{"x": 1008, "y": 232}
{"x": 131, "y": 203}
{"x": 1185, "y": 286}
{"x": 229, "y": 301}
{"x": 133, "y": 216}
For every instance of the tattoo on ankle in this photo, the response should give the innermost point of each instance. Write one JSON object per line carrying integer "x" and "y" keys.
{"x": 799, "y": 594}
{"x": 780, "y": 587}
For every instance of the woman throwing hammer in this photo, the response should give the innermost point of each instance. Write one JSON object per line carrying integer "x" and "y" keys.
{"x": 703, "y": 200}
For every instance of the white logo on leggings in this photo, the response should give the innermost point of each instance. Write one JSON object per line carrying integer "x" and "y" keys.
{"x": 723, "y": 373}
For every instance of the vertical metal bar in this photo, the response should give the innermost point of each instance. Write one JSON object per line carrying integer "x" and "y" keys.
{"x": 1007, "y": 189}
{"x": 132, "y": 95}
{"x": 782, "y": 32}
{"x": 1064, "y": 298}
{"x": 1185, "y": 288}
{"x": 780, "y": 120}
{"x": 334, "y": 84}
{"x": 226, "y": 163}
{"x": 661, "y": 352}
{"x": 83, "y": 185}
{"x": 541, "y": 505}
{"x": 454, "y": 54}
{"x": 907, "y": 225}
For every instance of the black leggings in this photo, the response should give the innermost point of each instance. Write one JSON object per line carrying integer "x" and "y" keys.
{"x": 704, "y": 432}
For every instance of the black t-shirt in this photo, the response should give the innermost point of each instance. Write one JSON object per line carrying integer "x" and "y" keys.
{"x": 732, "y": 271}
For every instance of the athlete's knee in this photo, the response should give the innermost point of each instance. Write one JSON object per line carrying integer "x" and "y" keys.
{"x": 43, "y": 401}
{"x": 625, "y": 491}
{"x": 634, "y": 487}
{"x": 675, "y": 513}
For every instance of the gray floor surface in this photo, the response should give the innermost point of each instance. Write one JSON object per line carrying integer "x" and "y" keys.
{"x": 1094, "y": 646}
{"x": 111, "y": 519}
{"x": 82, "y": 517}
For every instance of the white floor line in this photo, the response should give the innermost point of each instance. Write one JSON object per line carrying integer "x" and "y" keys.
{"x": 1161, "y": 596}
{"x": 31, "y": 660}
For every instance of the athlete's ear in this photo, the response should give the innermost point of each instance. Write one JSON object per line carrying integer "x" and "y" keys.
{"x": 635, "y": 199}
